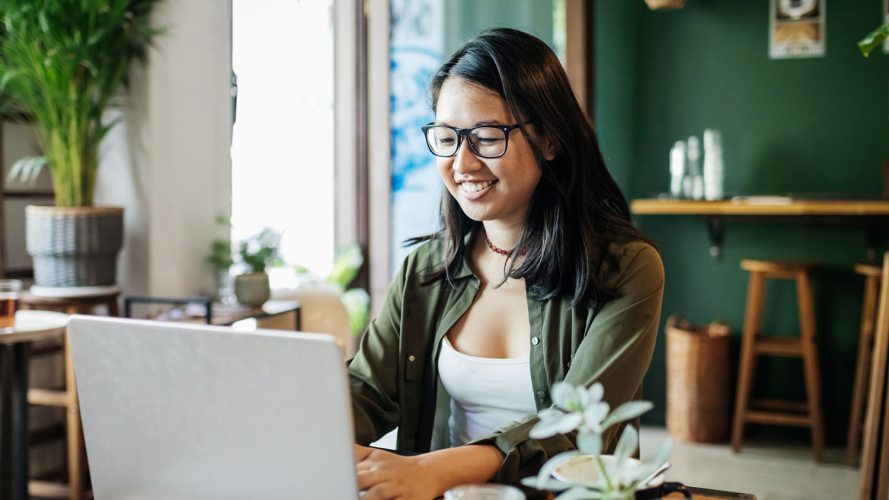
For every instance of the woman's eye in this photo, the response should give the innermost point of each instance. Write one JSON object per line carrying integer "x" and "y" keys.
{"x": 446, "y": 141}
{"x": 489, "y": 140}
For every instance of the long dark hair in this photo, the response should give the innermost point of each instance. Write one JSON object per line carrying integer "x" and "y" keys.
{"x": 577, "y": 209}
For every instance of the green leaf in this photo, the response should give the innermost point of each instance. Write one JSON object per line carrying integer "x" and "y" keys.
{"x": 357, "y": 304}
{"x": 546, "y": 472}
{"x": 346, "y": 265}
{"x": 626, "y": 445}
{"x": 873, "y": 40}
{"x": 627, "y": 411}
{"x": 27, "y": 169}
{"x": 589, "y": 443}
{"x": 554, "y": 422}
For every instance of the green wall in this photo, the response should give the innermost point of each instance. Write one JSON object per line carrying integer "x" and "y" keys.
{"x": 813, "y": 126}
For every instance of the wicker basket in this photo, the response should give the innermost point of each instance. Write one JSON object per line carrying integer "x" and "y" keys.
{"x": 74, "y": 247}
{"x": 698, "y": 391}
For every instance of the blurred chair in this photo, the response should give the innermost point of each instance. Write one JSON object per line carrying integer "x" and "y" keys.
{"x": 322, "y": 311}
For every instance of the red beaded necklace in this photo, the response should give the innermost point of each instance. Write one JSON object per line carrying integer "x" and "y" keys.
{"x": 494, "y": 248}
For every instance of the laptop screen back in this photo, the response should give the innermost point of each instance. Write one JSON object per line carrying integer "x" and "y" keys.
{"x": 186, "y": 411}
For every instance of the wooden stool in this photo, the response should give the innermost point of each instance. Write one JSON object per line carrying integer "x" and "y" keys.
{"x": 775, "y": 412}
{"x": 871, "y": 275}
{"x": 67, "y": 397}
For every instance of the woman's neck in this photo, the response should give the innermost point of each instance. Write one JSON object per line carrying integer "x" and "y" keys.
{"x": 501, "y": 236}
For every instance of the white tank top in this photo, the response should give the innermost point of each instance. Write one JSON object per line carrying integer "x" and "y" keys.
{"x": 486, "y": 393}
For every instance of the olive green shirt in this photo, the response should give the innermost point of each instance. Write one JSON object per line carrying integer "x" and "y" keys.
{"x": 394, "y": 376}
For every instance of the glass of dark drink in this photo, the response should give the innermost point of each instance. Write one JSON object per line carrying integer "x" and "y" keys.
{"x": 9, "y": 302}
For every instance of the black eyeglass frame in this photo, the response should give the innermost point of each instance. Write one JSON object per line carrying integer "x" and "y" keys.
{"x": 464, "y": 133}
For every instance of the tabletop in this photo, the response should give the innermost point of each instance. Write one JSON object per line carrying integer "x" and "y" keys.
{"x": 34, "y": 325}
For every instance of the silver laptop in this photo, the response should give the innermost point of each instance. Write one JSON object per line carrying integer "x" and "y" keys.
{"x": 174, "y": 411}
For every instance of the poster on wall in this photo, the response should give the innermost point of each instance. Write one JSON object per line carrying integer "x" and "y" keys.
{"x": 796, "y": 28}
{"x": 416, "y": 51}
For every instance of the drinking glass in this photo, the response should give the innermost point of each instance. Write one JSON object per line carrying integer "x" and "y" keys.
{"x": 9, "y": 301}
{"x": 484, "y": 492}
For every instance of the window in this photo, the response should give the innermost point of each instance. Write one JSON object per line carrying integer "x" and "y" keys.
{"x": 283, "y": 137}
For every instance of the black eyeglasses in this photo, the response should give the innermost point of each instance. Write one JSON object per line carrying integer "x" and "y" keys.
{"x": 486, "y": 141}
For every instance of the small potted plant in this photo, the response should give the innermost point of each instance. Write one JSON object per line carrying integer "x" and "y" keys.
{"x": 256, "y": 255}
{"x": 586, "y": 473}
{"x": 221, "y": 261}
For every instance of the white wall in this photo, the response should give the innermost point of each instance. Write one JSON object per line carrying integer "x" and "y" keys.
{"x": 169, "y": 163}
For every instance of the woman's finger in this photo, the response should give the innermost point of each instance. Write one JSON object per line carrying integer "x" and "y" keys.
{"x": 369, "y": 478}
{"x": 383, "y": 491}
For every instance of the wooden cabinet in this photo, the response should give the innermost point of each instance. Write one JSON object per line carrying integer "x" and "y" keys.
{"x": 17, "y": 140}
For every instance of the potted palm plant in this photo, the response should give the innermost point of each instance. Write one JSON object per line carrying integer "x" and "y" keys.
{"x": 63, "y": 63}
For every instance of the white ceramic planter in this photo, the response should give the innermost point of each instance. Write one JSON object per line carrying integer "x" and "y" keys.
{"x": 252, "y": 289}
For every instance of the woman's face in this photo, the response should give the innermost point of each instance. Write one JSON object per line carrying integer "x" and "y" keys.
{"x": 487, "y": 189}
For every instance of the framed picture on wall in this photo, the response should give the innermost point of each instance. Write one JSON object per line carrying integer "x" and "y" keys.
{"x": 796, "y": 28}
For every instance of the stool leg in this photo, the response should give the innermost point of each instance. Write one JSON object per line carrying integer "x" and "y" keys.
{"x": 862, "y": 368}
{"x": 752, "y": 319}
{"x": 810, "y": 360}
{"x": 113, "y": 310}
{"x": 73, "y": 430}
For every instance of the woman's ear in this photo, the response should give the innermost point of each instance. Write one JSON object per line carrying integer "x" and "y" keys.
{"x": 549, "y": 148}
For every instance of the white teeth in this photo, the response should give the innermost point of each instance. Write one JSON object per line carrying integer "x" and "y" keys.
{"x": 474, "y": 187}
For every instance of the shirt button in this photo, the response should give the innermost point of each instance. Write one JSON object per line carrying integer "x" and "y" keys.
{"x": 411, "y": 358}
{"x": 541, "y": 394}
{"x": 535, "y": 340}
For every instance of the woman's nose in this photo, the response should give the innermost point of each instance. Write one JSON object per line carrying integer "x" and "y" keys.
{"x": 465, "y": 160}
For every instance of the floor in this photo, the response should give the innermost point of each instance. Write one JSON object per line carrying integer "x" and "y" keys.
{"x": 769, "y": 470}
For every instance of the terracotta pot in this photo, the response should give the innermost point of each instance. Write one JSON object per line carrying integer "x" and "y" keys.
{"x": 252, "y": 289}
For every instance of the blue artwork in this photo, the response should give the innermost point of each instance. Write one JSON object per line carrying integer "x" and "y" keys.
{"x": 415, "y": 55}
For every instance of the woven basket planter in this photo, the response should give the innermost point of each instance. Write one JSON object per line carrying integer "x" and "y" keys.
{"x": 698, "y": 390}
{"x": 74, "y": 247}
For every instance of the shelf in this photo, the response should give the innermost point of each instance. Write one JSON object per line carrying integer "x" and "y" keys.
{"x": 871, "y": 214}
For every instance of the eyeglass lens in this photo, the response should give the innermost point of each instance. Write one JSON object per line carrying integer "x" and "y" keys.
{"x": 487, "y": 142}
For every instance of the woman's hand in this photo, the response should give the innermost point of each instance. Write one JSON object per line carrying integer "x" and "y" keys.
{"x": 383, "y": 475}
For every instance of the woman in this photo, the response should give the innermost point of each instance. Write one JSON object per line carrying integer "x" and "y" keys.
{"x": 537, "y": 276}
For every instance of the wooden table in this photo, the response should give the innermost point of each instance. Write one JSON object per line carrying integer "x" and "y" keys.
{"x": 220, "y": 314}
{"x": 708, "y": 494}
{"x": 872, "y": 214}
{"x": 15, "y": 346}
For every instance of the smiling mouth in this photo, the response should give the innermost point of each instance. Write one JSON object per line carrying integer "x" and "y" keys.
{"x": 475, "y": 190}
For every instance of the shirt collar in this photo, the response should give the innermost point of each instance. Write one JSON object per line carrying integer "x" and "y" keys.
{"x": 465, "y": 270}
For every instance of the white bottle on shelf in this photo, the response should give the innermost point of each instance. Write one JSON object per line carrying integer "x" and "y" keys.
{"x": 696, "y": 183}
{"x": 677, "y": 169}
{"x": 713, "y": 166}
